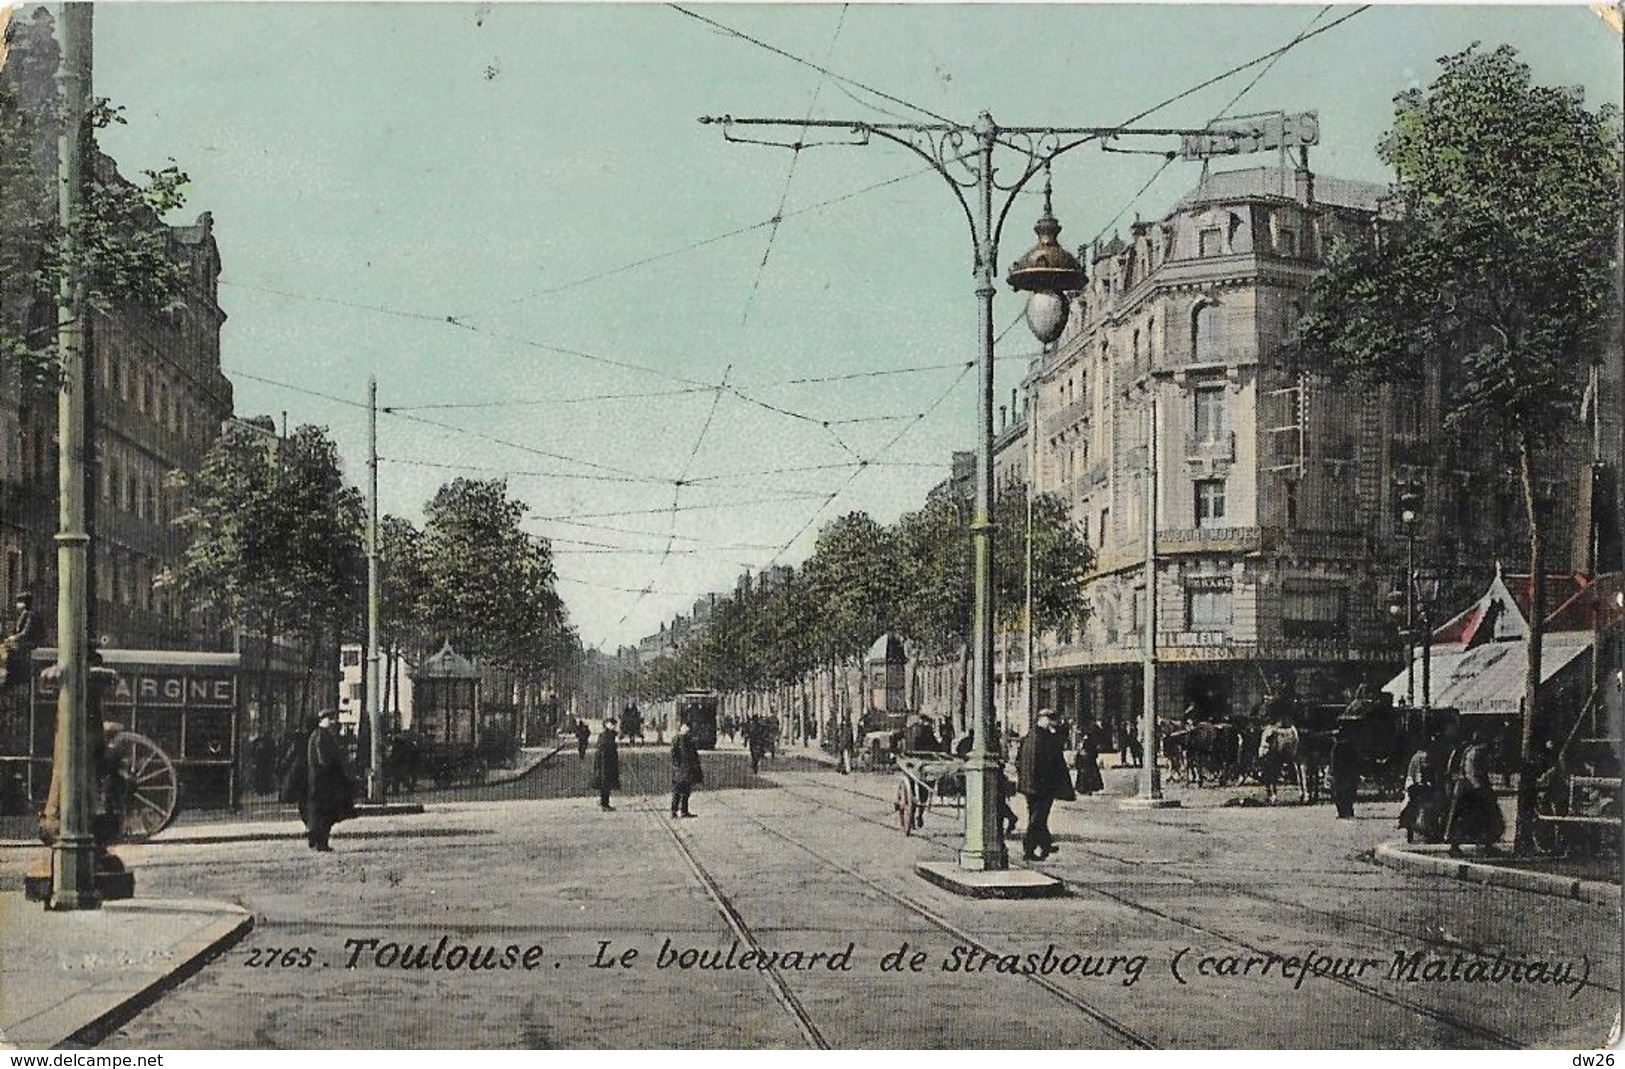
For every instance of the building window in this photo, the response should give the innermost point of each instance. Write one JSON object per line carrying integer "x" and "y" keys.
{"x": 1105, "y": 524}
{"x": 1209, "y": 417}
{"x": 1314, "y": 611}
{"x": 1207, "y": 605}
{"x": 1210, "y": 502}
{"x": 1286, "y": 242}
{"x": 1205, "y": 332}
{"x": 1210, "y": 242}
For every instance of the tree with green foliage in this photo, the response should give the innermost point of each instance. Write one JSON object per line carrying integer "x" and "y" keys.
{"x": 488, "y": 585}
{"x": 1495, "y": 270}
{"x": 125, "y": 253}
{"x": 274, "y": 537}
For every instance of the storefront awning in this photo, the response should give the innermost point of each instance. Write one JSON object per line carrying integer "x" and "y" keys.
{"x": 1489, "y": 678}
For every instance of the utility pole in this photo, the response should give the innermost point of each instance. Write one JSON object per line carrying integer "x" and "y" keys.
{"x": 1029, "y": 676}
{"x": 73, "y": 853}
{"x": 374, "y": 688}
{"x": 1150, "y": 774}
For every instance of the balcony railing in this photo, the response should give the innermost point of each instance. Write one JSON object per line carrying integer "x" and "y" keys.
{"x": 1060, "y": 419}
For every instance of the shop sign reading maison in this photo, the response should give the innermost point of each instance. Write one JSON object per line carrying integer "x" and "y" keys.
{"x": 1254, "y": 133}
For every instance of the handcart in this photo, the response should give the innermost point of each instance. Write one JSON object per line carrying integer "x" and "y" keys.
{"x": 925, "y": 780}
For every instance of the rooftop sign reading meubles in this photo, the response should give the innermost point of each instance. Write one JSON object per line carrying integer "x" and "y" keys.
{"x": 1254, "y": 133}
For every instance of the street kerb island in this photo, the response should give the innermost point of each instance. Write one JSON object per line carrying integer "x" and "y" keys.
{"x": 70, "y": 978}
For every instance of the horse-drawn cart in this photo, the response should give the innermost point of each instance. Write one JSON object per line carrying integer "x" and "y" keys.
{"x": 142, "y": 786}
{"x": 925, "y": 780}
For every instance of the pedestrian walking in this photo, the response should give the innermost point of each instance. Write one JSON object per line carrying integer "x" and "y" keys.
{"x": 583, "y": 736}
{"x": 1086, "y": 764}
{"x": 756, "y": 742}
{"x": 686, "y": 772}
{"x": 606, "y": 766}
{"x": 1423, "y": 815}
{"x": 1345, "y": 769}
{"x": 331, "y": 795}
{"x": 1475, "y": 815}
{"x": 843, "y": 745}
{"x": 1041, "y": 777}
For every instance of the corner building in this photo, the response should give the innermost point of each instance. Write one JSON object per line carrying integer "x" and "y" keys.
{"x": 1276, "y": 529}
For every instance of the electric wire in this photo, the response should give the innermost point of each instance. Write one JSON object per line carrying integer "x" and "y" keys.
{"x": 525, "y": 402}
{"x": 807, "y": 63}
{"x": 702, "y": 243}
{"x": 1168, "y": 160}
{"x": 790, "y": 174}
{"x": 625, "y": 474}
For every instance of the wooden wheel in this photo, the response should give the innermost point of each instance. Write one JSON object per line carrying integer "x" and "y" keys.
{"x": 151, "y": 788}
{"x": 907, "y": 806}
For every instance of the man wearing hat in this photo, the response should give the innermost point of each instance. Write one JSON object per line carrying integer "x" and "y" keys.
{"x": 332, "y": 796}
{"x": 606, "y": 766}
{"x": 1041, "y": 777}
{"x": 16, "y": 649}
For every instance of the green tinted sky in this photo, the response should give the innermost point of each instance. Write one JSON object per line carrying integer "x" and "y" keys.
{"x": 466, "y": 159}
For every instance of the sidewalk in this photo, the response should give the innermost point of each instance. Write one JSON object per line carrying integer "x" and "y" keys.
{"x": 68, "y": 978}
{"x": 1435, "y": 860}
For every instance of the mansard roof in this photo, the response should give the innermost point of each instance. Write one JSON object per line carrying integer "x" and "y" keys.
{"x": 1274, "y": 183}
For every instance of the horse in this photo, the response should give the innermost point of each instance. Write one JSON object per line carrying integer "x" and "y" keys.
{"x": 1280, "y": 747}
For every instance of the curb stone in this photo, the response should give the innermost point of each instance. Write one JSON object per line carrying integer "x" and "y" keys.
{"x": 1397, "y": 856}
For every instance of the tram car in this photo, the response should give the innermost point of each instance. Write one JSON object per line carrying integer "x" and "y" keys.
{"x": 698, "y": 709}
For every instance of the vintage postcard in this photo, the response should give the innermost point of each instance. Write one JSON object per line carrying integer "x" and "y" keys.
{"x": 835, "y": 526}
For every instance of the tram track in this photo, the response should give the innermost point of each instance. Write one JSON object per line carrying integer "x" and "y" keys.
{"x": 1106, "y": 1020}
{"x": 731, "y": 916}
{"x": 1448, "y": 945}
{"x": 1368, "y": 990}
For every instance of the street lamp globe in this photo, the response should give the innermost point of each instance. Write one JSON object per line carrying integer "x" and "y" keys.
{"x": 1047, "y": 274}
{"x": 1046, "y": 314}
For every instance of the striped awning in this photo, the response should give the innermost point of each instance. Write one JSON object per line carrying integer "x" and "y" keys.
{"x": 1488, "y": 679}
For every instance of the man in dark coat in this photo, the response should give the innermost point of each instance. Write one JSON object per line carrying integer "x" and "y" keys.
{"x": 18, "y": 646}
{"x": 1345, "y": 769}
{"x": 1041, "y": 777}
{"x": 686, "y": 773}
{"x": 606, "y": 766}
{"x": 331, "y": 796}
{"x": 583, "y": 736}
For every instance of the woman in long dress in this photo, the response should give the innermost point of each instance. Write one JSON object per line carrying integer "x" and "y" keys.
{"x": 1086, "y": 764}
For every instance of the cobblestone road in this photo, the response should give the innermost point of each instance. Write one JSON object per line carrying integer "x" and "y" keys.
{"x": 1180, "y": 929}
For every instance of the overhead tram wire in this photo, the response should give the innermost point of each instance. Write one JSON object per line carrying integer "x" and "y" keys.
{"x": 677, "y": 484}
{"x": 790, "y": 173}
{"x": 703, "y": 242}
{"x": 792, "y": 57}
{"x": 606, "y": 528}
{"x": 1168, "y": 161}
{"x": 1266, "y": 57}
{"x": 850, "y": 479}
{"x": 526, "y": 402}
{"x": 625, "y": 474}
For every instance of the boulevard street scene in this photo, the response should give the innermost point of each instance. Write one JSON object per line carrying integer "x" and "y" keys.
{"x": 814, "y": 526}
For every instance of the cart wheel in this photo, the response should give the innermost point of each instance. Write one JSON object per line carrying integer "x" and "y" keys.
{"x": 151, "y": 786}
{"x": 906, "y": 807}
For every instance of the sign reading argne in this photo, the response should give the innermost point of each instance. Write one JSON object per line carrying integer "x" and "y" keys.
{"x": 1254, "y": 133}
